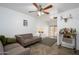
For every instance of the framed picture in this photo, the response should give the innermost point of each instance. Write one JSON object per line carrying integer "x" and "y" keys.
{"x": 25, "y": 23}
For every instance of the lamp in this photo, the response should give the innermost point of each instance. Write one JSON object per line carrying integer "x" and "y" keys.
{"x": 66, "y": 18}
{"x": 40, "y": 31}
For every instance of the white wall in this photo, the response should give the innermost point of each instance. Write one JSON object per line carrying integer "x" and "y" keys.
{"x": 11, "y": 23}
{"x": 45, "y": 21}
{"x": 73, "y": 23}
{"x": 42, "y": 22}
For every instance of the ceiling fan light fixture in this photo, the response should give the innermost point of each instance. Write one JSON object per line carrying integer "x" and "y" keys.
{"x": 40, "y": 13}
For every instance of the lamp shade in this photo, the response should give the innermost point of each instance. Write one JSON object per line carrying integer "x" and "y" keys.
{"x": 40, "y": 30}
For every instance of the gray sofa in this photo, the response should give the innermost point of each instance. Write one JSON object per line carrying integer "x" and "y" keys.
{"x": 27, "y": 39}
{"x": 13, "y": 49}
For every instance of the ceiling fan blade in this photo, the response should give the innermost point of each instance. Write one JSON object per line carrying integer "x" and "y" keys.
{"x": 46, "y": 12}
{"x": 35, "y": 4}
{"x": 31, "y": 11}
{"x": 50, "y": 6}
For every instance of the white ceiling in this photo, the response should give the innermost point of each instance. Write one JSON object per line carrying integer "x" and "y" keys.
{"x": 25, "y": 7}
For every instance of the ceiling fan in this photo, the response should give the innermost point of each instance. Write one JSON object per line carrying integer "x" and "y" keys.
{"x": 41, "y": 10}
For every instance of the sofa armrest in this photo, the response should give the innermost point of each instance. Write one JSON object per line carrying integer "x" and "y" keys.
{"x": 19, "y": 39}
{"x": 36, "y": 37}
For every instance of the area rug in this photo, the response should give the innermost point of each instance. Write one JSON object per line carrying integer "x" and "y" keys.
{"x": 48, "y": 41}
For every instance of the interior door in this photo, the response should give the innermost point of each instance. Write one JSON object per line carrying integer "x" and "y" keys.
{"x": 52, "y": 31}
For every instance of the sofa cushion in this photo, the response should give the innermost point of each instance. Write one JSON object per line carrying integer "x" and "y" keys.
{"x": 36, "y": 38}
{"x": 1, "y": 49}
{"x": 28, "y": 41}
